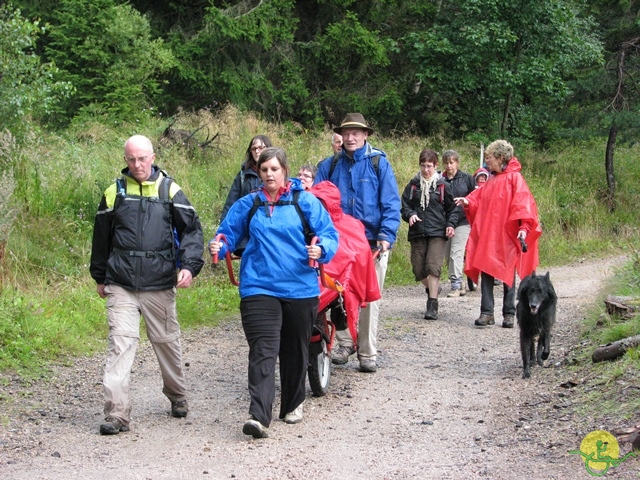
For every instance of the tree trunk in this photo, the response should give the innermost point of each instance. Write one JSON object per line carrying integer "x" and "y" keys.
{"x": 504, "y": 124}
{"x": 608, "y": 165}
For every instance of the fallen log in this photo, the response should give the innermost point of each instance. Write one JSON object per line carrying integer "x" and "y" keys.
{"x": 614, "y": 349}
{"x": 623, "y": 306}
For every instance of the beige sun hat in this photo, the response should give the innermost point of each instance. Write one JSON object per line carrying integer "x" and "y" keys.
{"x": 354, "y": 120}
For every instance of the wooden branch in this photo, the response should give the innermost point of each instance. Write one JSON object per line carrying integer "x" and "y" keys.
{"x": 614, "y": 350}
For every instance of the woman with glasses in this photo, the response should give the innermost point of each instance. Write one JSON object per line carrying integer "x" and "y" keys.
{"x": 247, "y": 179}
{"x": 307, "y": 174}
{"x": 428, "y": 207}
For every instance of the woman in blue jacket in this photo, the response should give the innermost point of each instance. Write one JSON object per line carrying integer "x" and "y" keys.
{"x": 278, "y": 289}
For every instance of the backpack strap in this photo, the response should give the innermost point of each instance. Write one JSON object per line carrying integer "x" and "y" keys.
{"x": 334, "y": 162}
{"x": 375, "y": 161}
{"x": 257, "y": 203}
{"x": 165, "y": 187}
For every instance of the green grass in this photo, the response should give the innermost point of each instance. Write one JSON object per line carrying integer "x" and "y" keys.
{"x": 610, "y": 387}
{"x": 48, "y": 302}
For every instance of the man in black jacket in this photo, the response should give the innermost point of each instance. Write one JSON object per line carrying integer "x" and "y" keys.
{"x": 144, "y": 227}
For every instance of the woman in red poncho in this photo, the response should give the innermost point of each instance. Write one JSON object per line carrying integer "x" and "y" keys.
{"x": 503, "y": 213}
{"x": 353, "y": 265}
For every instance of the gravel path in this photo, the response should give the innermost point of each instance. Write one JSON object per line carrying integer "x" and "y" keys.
{"x": 447, "y": 402}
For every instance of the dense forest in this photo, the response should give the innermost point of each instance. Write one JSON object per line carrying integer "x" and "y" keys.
{"x": 536, "y": 70}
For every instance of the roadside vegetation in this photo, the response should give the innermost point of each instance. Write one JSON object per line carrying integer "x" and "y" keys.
{"x": 609, "y": 389}
{"x": 50, "y": 311}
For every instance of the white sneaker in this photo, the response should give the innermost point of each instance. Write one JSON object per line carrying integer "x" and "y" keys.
{"x": 295, "y": 416}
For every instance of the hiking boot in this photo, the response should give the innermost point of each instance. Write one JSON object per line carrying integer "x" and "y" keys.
{"x": 507, "y": 321}
{"x": 179, "y": 409}
{"x": 254, "y": 428}
{"x": 454, "y": 293}
{"x": 112, "y": 426}
{"x": 368, "y": 365}
{"x": 295, "y": 416}
{"x": 432, "y": 309}
{"x": 485, "y": 320}
{"x": 341, "y": 355}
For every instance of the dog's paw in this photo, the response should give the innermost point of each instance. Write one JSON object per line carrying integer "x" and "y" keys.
{"x": 526, "y": 374}
{"x": 544, "y": 356}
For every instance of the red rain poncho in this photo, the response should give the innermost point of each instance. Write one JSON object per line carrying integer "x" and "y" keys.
{"x": 353, "y": 265}
{"x": 496, "y": 212}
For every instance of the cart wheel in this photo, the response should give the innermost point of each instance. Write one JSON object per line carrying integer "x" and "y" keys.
{"x": 320, "y": 371}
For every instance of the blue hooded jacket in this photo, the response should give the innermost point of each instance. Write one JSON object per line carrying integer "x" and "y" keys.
{"x": 371, "y": 197}
{"x": 275, "y": 261}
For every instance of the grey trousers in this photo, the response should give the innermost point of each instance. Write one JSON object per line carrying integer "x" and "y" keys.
{"x": 124, "y": 308}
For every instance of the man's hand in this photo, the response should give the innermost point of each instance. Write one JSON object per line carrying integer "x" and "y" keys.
{"x": 100, "y": 290}
{"x": 184, "y": 278}
{"x": 383, "y": 245}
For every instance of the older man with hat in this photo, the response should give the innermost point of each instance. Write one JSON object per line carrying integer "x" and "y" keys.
{"x": 369, "y": 193}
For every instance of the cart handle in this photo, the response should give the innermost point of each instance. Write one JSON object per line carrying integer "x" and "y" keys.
{"x": 376, "y": 252}
{"x": 232, "y": 277}
{"x": 320, "y": 267}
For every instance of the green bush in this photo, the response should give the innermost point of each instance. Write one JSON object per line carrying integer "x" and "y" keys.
{"x": 105, "y": 49}
{"x": 28, "y": 89}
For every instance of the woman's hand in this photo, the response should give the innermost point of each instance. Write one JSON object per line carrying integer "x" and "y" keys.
{"x": 413, "y": 219}
{"x": 314, "y": 252}
{"x": 214, "y": 247}
{"x": 461, "y": 201}
{"x": 522, "y": 234}
{"x": 450, "y": 232}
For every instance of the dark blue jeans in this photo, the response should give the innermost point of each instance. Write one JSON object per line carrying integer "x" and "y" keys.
{"x": 277, "y": 327}
{"x": 487, "y": 303}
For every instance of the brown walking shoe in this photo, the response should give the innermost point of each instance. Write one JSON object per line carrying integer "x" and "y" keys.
{"x": 179, "y": 409}
{"x": 341, "y": 355}
{"x": 112, "y": 426}
{"x": 507, "y": 321}
{"x": 484, "y": 320}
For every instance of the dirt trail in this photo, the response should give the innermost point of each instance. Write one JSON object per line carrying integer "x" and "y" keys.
{"x": 447, "y": 402}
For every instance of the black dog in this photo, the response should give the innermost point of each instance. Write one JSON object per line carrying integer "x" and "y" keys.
{"x": 536, "y": 312}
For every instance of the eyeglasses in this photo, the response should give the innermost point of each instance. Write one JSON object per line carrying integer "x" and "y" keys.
{"x": 427, "y": 166}
{"x": 258, "y": 148}
{"x": 305, "y": 175}
{"x": 137, "y": 159}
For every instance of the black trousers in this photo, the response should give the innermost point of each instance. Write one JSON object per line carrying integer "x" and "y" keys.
{"x": 486, "y": 301}
{"x": 277, "y": 327}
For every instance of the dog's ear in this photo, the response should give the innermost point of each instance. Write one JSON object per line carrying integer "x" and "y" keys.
{"x": 533, "y": 274}
{"x": 547, "y": 276}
